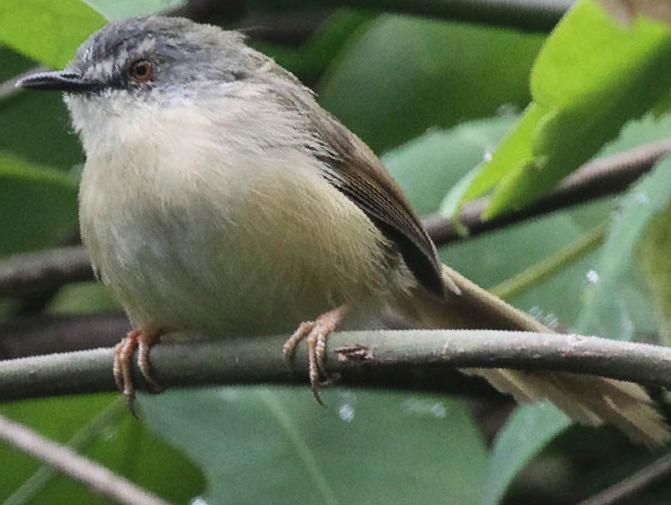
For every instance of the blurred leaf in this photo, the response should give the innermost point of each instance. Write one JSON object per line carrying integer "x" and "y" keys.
{"x": 654, "y": 259}
{"x": 83, "y": 298}
{"x": 122, "y": 9}
{"x": 38, "y": 206}
{"x": 427, "y": 166}
{"x": 590, "y": 78}
{"x": 514, "y": 448}
{"x": 256, "y": 443}
{"x": 401, "y": 75}
{"x": 125, "y": 447}
{"x": 35, "y": 126}
{"x": 48, "y": 32}
{"x": 605, "y": 313}
{"x": 310, "y": 60}
{"x": 496, "y": 256}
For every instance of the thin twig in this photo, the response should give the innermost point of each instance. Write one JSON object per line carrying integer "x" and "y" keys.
{"x": 96, "y": 477}
{"x": 545, "y": 268}
{"x": 633, "y": 484}
{"x": 36, "y": 482}
{"x": 354, "y": 355}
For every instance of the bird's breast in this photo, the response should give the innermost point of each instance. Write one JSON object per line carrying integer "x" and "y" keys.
{"x": 208, "y": 233}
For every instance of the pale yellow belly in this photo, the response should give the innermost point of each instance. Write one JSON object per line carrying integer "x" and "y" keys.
{"x": 279, "y": 252}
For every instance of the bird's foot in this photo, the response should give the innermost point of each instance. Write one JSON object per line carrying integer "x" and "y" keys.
{"x": 142, "y": 340}
{"x": 317, "y": 333}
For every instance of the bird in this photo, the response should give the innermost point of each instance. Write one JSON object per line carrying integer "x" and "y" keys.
{"x": 219, "y": 198}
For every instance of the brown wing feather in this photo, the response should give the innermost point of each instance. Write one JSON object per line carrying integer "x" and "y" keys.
{"x": 362, "y": 177}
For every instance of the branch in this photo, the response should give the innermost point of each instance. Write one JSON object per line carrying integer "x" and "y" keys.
{"x": 41, "y": 271}
{"x": 535, "y": 15}
{"x": 602, "y": 177}
{"x": 633, "y": 484}
{"x": 32, "y": 486}
{"x": 38, "y": 335}
{"x": 44, "y": 270}
{"x": 356, "y": 356}
{"x": 96, "y": 477}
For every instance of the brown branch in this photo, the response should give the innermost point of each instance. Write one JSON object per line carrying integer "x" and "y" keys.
{"x": 41, "y": 271}
{"x": 94, "y": 476}
{"x": 356, "y": 356}
{"x": 44, "y": 335}
{"x": 37, "y": 335}
{"x": 633, "y": 484}
{"x": 596, "y": 179}
{"x": 44, "y": 270}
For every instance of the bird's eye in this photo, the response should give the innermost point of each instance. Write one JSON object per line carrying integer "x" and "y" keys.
{"x": 141, "y": 71}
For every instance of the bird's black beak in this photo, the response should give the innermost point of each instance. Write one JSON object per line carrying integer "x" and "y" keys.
{"x": 57, "y": 81}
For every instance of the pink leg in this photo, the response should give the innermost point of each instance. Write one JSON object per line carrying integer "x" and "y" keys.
{"x": 142, "y": 340}
{"x": 317, "y": 333}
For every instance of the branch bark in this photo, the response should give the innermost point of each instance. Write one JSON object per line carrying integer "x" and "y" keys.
{"x": 96, "y": 477}
{"x": 356, "y": 356}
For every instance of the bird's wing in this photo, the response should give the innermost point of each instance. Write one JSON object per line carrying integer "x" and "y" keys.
{"x": 361, "y": 176}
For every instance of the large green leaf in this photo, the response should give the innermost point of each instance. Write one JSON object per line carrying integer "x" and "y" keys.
{"x": 606, "y": 311}
{"x": 514, "y": 447}
{"x": 35, "y": 125}
{"x": 654, "y": 259}
{"x": 592, "y": 76}
{"x": 260, "y": 445}
{"x": 48, "y": 32}
{"x": 124, "y": 445}
{"x": 38, "y": 206}
{"x": 427, "y": 166}
{"x": 619, "y": 304}
{"x": 402, "y": 75}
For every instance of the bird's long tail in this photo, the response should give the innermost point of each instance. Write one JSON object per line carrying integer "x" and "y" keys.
{"x": 587, "y": 399}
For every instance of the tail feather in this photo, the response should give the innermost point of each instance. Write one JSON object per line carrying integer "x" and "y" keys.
{"x": 587, "y": 399}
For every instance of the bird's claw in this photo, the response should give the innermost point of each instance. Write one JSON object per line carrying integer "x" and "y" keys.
{"x": 123, "y": 354}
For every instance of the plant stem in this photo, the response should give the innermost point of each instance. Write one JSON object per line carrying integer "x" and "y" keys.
{"x": 549, "y": 266}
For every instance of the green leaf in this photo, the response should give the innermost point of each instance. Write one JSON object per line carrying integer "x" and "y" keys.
{"x": 38, "y": 206}
{"x": 401, "y": 75}
{"x": 653, "y": 256}
{"x": 514, "y": 447}
{"x": 591, "y": 77}
{"x": 48, "y": 32}
{"x": 256, "y": 443}
{"x": 125, "y": 446}
{"x": 608, "y": 309}
{"x": 427, "y": 166}
{"x": 493, "y": 257}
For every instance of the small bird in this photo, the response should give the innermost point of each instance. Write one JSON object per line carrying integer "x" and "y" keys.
{"x": 219, "y": 198}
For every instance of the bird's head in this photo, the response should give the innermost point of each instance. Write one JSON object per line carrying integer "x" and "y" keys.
{"x": 149, "y": 61}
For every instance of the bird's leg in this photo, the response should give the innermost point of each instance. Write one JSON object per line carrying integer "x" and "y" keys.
{"x": 316, "y": 332}
{"x": 142, "y": 340}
